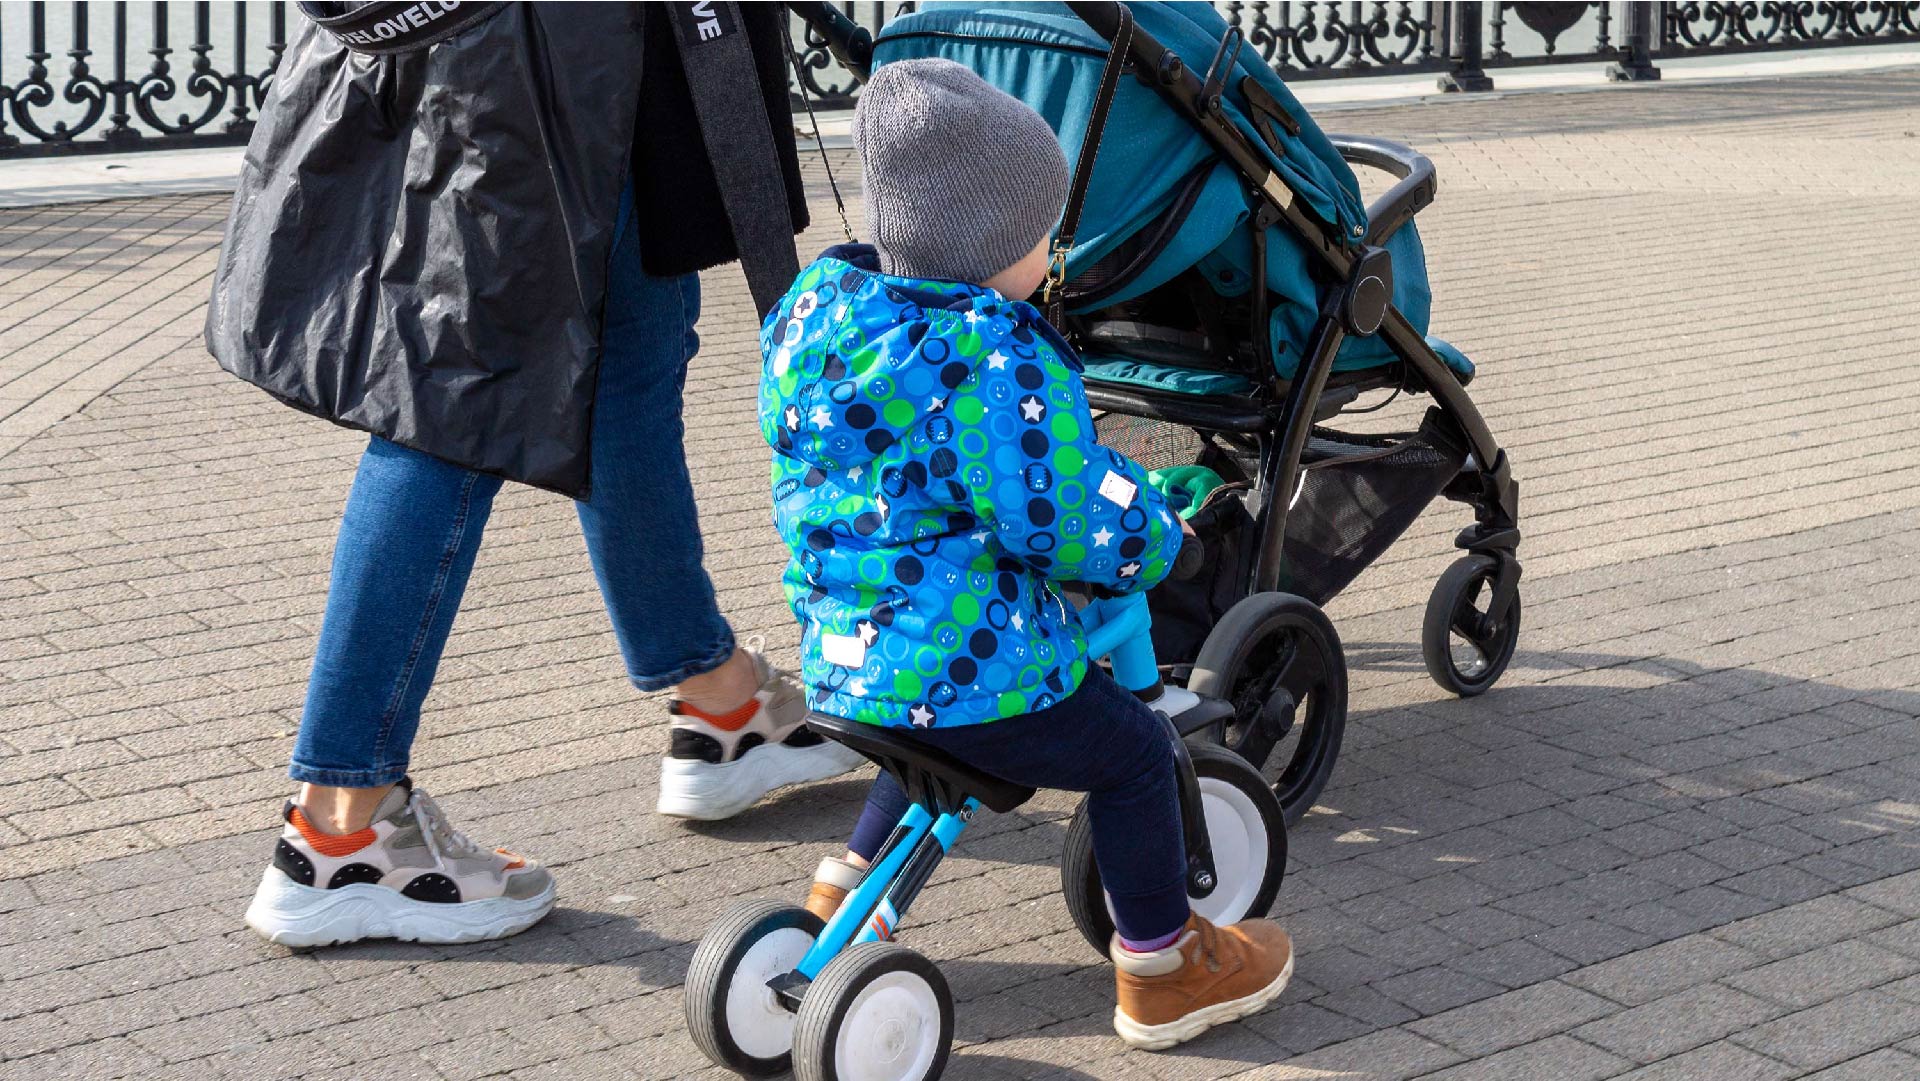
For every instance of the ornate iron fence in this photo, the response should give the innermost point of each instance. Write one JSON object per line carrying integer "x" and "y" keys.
{"x": 1459, "y": 41}
{"x": 151, "y": 96}
{"x": 44, "y": 111}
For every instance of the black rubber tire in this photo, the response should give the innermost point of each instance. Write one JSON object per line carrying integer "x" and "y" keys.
{"x": 1243, "y": 638}
{"x": 1080, "y": 876}
{"x": 710, "y": 977}
{"x": 1461, "y": 585}
{"x": 816, "y": 1032}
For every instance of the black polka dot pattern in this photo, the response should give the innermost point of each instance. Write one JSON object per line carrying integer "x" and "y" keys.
{"x": 433, "y": 887}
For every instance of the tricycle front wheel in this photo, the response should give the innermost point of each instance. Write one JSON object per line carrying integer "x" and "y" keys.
{"x": 878, "y": 1012}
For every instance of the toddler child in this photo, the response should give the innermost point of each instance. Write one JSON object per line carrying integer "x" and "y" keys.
{"x": 936, "y": 476}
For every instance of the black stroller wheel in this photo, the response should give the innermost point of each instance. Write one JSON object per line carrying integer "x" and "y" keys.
{"x": 1277, "y": 659}
{"x": 1244, "y": 827}
{"x": 732, "y": 1014}
{"x": 1464, "y": 654}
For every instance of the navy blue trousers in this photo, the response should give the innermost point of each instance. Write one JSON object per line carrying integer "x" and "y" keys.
{"x": 1099, "y": 740}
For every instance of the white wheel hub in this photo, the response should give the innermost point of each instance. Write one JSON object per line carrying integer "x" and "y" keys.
{"x": 891, "y": 1032}
{"x": 1239, "y": 838}
{"x": 756, "y": 1021}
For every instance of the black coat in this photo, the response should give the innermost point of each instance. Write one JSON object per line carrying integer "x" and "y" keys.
{"x": 418, "y": 244}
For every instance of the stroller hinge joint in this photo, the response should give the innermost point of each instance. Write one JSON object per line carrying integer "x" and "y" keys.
{"x": 1369, "y": 290}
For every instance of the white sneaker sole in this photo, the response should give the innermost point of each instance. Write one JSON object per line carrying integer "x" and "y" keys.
{"x": 709, "y": 791}
{"x": 1160, "y": 1037}
{"x": 289, "y": 914}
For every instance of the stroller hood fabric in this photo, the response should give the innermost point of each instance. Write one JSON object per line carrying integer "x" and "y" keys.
{"x": 934, "y": 468}
{"x": 1152, "y": 163}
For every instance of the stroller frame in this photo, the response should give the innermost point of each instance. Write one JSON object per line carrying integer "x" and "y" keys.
{"x": 1269, "y": 431}
{"x": 1358, "y": 304}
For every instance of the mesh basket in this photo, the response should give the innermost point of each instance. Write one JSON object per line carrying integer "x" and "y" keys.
{"x": 1356, "y": 495}
{"x": 1154, "y": 444}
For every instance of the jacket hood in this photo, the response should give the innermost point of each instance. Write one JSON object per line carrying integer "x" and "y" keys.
{"x": 855, "y": 358}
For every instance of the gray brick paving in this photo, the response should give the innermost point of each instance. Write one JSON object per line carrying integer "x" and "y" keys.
{"x": 1675, "y": 844}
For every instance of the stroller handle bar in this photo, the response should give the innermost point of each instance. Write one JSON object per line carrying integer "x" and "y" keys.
{"x": 1410, "y": 196}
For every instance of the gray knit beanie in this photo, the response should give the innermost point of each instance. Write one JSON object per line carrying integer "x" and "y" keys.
{"x": 962, "y": 178}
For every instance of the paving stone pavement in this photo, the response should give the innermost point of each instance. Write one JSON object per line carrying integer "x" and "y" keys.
{"x": 1676, "y": 842}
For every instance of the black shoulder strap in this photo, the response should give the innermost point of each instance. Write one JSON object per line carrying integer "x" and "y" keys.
{"x": 1054, "y": 294}
{"x": 733, "y": 122}
{"x": 388, "y": 29}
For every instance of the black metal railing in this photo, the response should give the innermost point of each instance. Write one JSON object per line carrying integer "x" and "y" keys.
{"x": 196, "y": 74}
{"x": 1459, "y": 41}
{"x": 72, "y": 107}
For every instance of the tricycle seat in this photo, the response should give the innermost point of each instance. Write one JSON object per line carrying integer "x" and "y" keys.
{"x": 931, "y": 777}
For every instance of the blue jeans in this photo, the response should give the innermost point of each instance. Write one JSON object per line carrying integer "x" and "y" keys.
{"x": 1100, "y": 740}
{"x": 413, "y": 523}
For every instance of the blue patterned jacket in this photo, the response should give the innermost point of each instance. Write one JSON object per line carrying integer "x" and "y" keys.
{"x": 935, "y": 475}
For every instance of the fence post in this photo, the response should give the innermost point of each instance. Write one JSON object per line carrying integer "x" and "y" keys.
{"x": 1635, "y": 63}
{"x": 8, "y": 140}
{"x": 118, "y": 130}
{"x": 1466, "y": 75}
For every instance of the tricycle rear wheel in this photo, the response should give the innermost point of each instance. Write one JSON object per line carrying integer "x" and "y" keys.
{"x": 1244, "y": 827}
{"x": 732, "y": 1014}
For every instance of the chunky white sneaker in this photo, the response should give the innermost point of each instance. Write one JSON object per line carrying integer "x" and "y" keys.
{"x": 718, "y": 766}
{"x": 408, "y": 875}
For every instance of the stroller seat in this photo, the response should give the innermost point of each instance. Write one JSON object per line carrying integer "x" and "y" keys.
{"x": 1174, "y": 378}
{"x": 931, "y": 777}
{"x": 1164, "y": 377}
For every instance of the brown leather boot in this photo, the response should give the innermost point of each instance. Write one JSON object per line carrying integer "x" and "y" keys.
{"x": 1209, "y": 976}
{"x": 834, "y": 879}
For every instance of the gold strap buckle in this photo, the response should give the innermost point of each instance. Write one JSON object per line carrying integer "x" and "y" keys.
{"x": 1056, "y": 273}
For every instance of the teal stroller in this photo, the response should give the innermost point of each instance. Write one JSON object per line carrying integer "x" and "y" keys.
{"x": 1231, "y": 294}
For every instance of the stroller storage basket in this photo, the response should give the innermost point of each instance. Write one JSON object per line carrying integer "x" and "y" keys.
{"x": 1355, "y": 496}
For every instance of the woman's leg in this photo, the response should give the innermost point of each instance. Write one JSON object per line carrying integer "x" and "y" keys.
{"x": 362, "y": 853}
{"x": 641, "y": 525}
{"x": 406, "y": 548}
{"x": 737, "y": 722}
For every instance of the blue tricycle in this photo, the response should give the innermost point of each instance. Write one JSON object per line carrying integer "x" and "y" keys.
{"x": 771, "y": 988}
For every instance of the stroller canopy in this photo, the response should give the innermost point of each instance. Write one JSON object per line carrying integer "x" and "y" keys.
{"x": 1161, "y": 199}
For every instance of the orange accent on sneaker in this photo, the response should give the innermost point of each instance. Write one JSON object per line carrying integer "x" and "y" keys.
{"x": 332, "y": 845}
{"x": 519, "y": 861}
{"x": 727, "y": 722}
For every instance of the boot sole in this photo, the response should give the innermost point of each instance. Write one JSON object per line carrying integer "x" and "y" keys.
{"x": 288, "y": 914}
{"x": 1179, "y": 1031}
{"x": 709, "y": 791}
